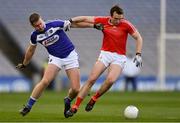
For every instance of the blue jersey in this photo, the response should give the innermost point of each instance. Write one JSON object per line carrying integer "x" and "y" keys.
{"x": 54, "y": 39}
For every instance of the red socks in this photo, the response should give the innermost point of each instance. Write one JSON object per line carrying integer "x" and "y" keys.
{"x": 79, "y": 100}
{"x": 77, "y": 103}
{"x": 96, "y": 96}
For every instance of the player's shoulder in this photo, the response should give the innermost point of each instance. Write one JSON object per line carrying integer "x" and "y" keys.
{"x": 125, "y": 21}
{"x": 34, "y": 32}
{"x": 127, "y": 24}
{"x": 102, "y": 19}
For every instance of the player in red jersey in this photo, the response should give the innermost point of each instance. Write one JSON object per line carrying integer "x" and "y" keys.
{"x": 113, "y": 52}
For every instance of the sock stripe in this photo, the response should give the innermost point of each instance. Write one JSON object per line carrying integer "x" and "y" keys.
{"x": 33, "y": 98}
{"x": 31, "y": 102}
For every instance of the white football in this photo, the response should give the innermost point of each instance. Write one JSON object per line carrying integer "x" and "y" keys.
{"x": 131, "y": 112}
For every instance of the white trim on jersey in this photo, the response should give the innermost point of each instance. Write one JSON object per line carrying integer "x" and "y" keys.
{"x": 32, "y": 43}
{"x": 48, "y": 33}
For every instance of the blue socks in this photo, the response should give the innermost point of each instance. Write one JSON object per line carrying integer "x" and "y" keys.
{"x": 67, "y": 98}
{"x": 31, "y": 102}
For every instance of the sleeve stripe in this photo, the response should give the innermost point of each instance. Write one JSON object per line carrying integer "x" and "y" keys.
{"x": 131, "y": 25}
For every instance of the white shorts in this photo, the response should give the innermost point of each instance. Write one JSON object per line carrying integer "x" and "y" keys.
{"x": 108, "y": 58}
{"x": 71, "y": 61}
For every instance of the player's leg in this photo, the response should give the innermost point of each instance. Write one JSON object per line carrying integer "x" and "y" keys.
{"x": 71, "y": 65}
{"x": 97, "y": 70}
{"x": 74, "y": 77}
{"x": 113, "y": 74}
{"x": 49, "y": 74}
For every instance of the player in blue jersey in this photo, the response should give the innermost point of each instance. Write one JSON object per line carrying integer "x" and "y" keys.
{"x": 62, "y": 54}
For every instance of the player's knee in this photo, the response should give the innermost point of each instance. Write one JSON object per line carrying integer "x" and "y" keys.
{"x": 45, "y": 82}
{"x": 110, "y": 80}
{"x": 92, "y": 79}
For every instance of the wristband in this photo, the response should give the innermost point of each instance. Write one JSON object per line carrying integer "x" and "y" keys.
{"x": 138, "y": 54}
{"x": 71, "y": 20}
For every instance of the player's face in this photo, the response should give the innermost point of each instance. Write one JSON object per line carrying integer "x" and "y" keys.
{"x": 115, "y": 18}
{"x": 39, "y": 25}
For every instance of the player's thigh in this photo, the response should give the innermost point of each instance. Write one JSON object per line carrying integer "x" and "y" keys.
{"x": 113, "y": 72}
{"x": 74, "y": 76}
{"x": 97, "y": 70}
{"x": 50, "y": 72}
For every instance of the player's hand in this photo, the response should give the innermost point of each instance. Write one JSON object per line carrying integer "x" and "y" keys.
{"x": 99, "y": 26}
{"x": 67, "y": 25}
{"x": 138, "y": 60}
{"x": 21, "y": 66}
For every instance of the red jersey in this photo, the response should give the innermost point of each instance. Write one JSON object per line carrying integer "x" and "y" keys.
{"x": 115, "y": 36}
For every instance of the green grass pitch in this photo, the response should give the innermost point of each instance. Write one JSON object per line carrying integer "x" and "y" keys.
{"x": 153, "y": 106}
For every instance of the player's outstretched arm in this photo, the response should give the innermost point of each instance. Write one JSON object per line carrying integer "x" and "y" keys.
{"x": 87, "y": 19}
{"x": 82, "y": 25}
{"x": 82, "y": 22}
{"x": 28, "y": 55}
{"x": 85, "y": 22}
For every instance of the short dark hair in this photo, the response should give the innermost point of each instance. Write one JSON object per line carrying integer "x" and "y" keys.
{"x": 34, "y": 18}
{"x": 117, "y": 9}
